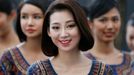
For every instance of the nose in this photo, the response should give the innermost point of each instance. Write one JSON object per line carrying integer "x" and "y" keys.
{"x": 30, "y": 21}
{"x": 64, "y": 33}
{"x": 110, "y": 25}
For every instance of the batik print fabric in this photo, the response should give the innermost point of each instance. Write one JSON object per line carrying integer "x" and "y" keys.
{"x": 46, "y": 68}
{"x": 125, "y": 68}
{"x": 13, "y": 63}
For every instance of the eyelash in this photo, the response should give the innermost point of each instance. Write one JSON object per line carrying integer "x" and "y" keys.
{"x": 35, "y": 17}
{"x": 24, "y": 17}
{"x": 55, "y": 27}
{"x": 113, "y": 19}
{"x": 71, "y": 26}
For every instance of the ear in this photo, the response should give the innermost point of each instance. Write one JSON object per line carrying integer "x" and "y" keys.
{"x": 90, "y": 24}
{"x": 48, "y": 32}
{"x": 12, "y": 15}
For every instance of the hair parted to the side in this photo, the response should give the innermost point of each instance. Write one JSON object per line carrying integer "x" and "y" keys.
{"x": 131, "y": 20}
{"x": 86, "y": 41}
{"x": 42, "y": 4}
{"x": 6, "y": 6}
{"x": 97, "y": 8}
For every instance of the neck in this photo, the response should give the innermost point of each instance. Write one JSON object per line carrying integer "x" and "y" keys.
{"x": 9, "y": 39}
{"x": 68, "y": 59}
{"x": 104, "y": 47}
{"x": 33, "y": 45}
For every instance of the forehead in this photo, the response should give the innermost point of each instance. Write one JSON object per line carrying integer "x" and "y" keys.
{"x": 29, "y": 8}
{"x": 61, "y": 16}
{"x": 2, "y": 13}
{"x": 130, "y": 28}
{"x": 113, "y": 12}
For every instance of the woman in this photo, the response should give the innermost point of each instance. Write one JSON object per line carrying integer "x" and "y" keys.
{"x": 130, "y": 33}
{"x": 105, "y": 21}
{"x": 15, "y": 61}
{"x": 65, "y": 35}
{"x": 7, "y": 32}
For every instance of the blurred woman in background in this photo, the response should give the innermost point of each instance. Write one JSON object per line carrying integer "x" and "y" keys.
{"x": 105, "y": 23}
{"x": 30, "y": 18}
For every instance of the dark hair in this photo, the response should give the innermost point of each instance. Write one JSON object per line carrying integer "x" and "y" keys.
{"x": 97, "y": 8}
{"x": 131, "y": 20}
{"x": 86, "y": 41}
{"x": 6, "y": 6}
{"x": 42, "y": 4}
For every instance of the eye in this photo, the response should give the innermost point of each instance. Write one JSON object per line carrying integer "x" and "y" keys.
{"x": 38, "y": 17}
{"x": 115, "y": 19}
{"x": 131, "y": 37}
{"x": 70, "y": 26}
{"x": 55, "y": 27}
{"x": 24, "y": 17}
{"x": 103, "y": 20}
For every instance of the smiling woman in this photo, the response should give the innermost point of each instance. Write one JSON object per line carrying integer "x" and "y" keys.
{"x": 105, "y": 23}
{"x": 30, "y": 18}
{"x": 7, "y": 32}
{"x": 64, "y": 38}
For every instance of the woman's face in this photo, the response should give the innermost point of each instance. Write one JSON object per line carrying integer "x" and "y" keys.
{"x": 106, "y": 27}
{"x": 5, "y": 23}
{"x": 63, "y": 31}
{"x": 31, "y": 21}
{"x": 130, "y": 37}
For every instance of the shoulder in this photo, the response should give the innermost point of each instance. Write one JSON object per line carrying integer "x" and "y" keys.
{"x": 6, "y": 63}
{"x": 6, "y": 55}
{"x": 128, "y": 57}
{"x": 89, "y": 55}
{"x": 33, "y": 69}
{"x": 9, "y": 53}
{"x": 101, "y": 68}
{"x": 38, "y": 68}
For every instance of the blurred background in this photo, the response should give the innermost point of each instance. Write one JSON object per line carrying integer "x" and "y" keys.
{"x": 127, "y": 7}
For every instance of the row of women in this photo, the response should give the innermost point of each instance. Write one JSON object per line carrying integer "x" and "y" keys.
{"x": 63, "y": 37}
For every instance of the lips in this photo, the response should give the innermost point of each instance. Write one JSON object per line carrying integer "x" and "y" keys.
{"x": 30, "y": 30}
{"x": 65, "y": 42}
{"x": 109, "y": 34}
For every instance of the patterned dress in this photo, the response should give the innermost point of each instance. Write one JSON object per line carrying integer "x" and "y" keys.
{"x": 121, "y": 69}
{"x": 13, "y": 63}
{"x": 46, "y": 68}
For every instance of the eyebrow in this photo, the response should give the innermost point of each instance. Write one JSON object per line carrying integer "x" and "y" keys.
{"x": 70, "y": 21}
{"x": 56, "y": 23}
{"x": 25, "y": 13}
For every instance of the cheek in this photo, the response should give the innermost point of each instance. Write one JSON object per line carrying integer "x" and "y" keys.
{"x": 23, "y": 22}
{"x": 54, "y": 39}
{"x": 23, "y": 25}
{"x": 75, "y": 35}
{"x": 53, "y": 35}
{"x": 40, "y": 25}
{"x": 97, "y": 30}
{"x": 117, "y": 26}
{"x": 2, "y": 22}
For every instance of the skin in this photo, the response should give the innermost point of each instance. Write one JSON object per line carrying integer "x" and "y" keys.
{"x": 105, "y": 29}
{"x": 130, "y": 37}
{"x": 7, "y": 31}
{"x": 66, "y": 36}
{"x": 31, "y": 23}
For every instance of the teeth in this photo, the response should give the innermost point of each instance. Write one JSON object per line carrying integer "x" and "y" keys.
{"x": 66, "y": 41}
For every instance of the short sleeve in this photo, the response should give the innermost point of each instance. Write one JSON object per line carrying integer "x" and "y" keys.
{"x": 6, "y": 64}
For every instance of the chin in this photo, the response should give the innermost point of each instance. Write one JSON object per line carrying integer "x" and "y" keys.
{"x": 65, "y": 49}
{"x": 108, "y": 40}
